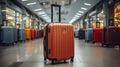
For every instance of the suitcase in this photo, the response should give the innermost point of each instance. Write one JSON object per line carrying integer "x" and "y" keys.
{"x": 42, "y": 33}
{"x": 7, "y": 35}
{"x": 36, "y": 34}
{"x": 0, "y": 34}
{"x": 39, "y": 34}
{"x": 88, "y": 34}
{"x": 28, "y": 34}
{"x": 32, "y": 34}
{"x": 97, "y": 35}
{"x": 21, "y": 34}
{"x": 103, "y": 36}
{"x": 76, "y": 33}
{"x": 81, "y": 34}
{"x": 58, "y": 41}
{"x": 112, "y": 36}
{"x": 15, "y": 34}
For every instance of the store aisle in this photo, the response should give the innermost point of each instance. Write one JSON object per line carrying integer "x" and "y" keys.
{"x": 30, "y": 54}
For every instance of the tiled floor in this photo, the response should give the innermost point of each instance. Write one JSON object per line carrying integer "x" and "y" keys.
{"x": 30, "y": 54}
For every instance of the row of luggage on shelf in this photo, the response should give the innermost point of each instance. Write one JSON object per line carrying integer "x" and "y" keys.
{"x": 108, "y": 36}
{"x": 10, "y": 35}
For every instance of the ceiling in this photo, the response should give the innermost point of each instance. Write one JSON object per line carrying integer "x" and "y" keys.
{"x": 69, "y": 8}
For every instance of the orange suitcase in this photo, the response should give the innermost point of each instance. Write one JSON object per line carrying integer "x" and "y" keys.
{"x": 58, "y": 42}
{"x": 28, "y": 34}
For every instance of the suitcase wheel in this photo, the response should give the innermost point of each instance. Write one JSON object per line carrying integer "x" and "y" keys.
{"x": 45, "y": 59}
{"x": 64, "y": 61}
{"x": 53, "y": 61}
{"x": 72, "y": 59}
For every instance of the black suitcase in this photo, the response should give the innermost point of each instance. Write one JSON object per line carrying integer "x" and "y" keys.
{"x": 81, "y": 34}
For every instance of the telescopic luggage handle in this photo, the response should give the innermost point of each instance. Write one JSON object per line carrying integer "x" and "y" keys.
{"x": 55, "y": 5}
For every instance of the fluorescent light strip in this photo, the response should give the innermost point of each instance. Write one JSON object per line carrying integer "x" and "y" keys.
{"x": 24, "y": 0}
{"x": 31, "y": 3}
{"x": 44, "y": 15}
{"x": 37, "y": 9}
{"x": 83, "y": 8}
{"x": 41, "y": 13}
{"x": 80, "y": 11}
{"x": 87, "y": 4}
{"x": 78, "y": 14}
{"x": 4, "y": 10}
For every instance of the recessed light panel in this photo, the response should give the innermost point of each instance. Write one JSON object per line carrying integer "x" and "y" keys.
{"x": 31, "y": 3}
{"x": 87, "y": 4}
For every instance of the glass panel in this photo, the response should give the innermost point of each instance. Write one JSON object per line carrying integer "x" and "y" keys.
{"x": 10, "y": 17}
{"x": 117, "y": 15}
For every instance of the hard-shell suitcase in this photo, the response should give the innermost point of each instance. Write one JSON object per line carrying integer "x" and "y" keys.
{"x": 39, "y": 33}
{"x": 36, "y": 34}
{"x": 0, "y": 34}
{"x": 97, "y": 35}
{"x": 21, "y": 34}
{"x": 112, "y": 36}
{"x": 88, "y": 34}
{"x": 15, "y": 34}
{"x": 28, "y": 34}
{"x": 58, "y": 41}
{"x": 104, "y": 36}
{"x": 32, "y": 33}
{"x": 81, "y": 34}
{"x": 76, "y": 33}
{"x": 7, "y": 35}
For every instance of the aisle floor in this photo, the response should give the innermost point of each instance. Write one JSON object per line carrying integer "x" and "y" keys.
{"x": 30, "y": 54}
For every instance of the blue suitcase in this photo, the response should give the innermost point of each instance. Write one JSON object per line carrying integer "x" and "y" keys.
{"x": 15, "y": 34}
{"x": 7, "y": 35}
{"x": 21, "y": 34}
{"x": 88, "y": 34}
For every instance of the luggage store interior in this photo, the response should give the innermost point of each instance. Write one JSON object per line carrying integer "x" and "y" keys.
{"x": 59, "y": 33}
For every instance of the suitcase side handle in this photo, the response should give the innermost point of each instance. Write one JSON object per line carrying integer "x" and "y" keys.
{"x": 46, "y": 48}
{"x": 55, "y": 5}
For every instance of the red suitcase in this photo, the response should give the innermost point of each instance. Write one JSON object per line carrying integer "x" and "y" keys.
{"x": 58, "y": 41}
{"x": 36, "y": 34}
{"x": 97, "y": 35}
{"x": 39, "y": 33}
{"x": 32, "y": 33}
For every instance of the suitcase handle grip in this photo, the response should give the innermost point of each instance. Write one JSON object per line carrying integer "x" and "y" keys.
{"x": 55, "y": 5}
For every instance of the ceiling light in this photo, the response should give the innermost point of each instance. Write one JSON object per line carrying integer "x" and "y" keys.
{"x": 72, "y": 21}
{"x": 78, "y": 14}
{"x": 44, "y": 15}
{"x": 48, "y": 20}
{"x": 37, "y": 9}
{"x": 24, "y": 0}
{"x": 4, "y": 10}
{"x": 41, "y": 13}
{"x": 87, "y": 4}
{"x": 31, "y": 3}
{"x": 81, "y": 11}
{"x": 83, "y": 8}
